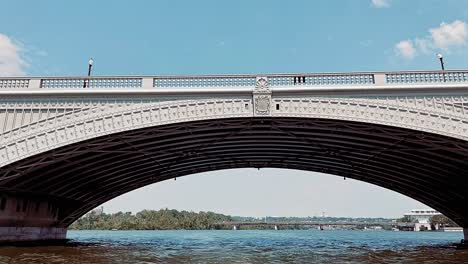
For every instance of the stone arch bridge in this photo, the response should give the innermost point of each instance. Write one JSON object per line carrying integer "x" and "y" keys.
{"x": 65, "y": 149}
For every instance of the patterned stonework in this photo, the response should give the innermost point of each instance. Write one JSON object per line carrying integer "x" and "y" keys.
{"x": 262, "y": 104}
{"x": 35, "y": 126}
{"x": 261, "y": 83}
{"x": 262, "y": 97}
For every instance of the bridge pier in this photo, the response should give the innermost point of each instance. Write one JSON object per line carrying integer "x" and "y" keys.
{"x": 276, "y": 227}
{"x": 465, "y": 235}
{"x": 23, "y": 234}
{"x": 26, "y": 218}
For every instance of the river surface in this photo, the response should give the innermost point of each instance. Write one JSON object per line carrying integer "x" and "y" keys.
{"x": 284, "y": 246}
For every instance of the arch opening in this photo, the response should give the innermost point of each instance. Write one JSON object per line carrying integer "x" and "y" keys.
{"x": 257, "y": 193}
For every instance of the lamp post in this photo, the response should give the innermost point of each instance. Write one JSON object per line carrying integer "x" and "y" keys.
{"x": 90, "y": 65}
{"x": 441, "y": 58}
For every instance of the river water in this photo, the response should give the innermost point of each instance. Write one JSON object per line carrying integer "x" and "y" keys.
{"x": 283, "y": 246}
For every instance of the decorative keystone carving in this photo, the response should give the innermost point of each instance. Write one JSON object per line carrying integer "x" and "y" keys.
{"x": 261, "y": 83}
{"x": 262, "y": 97}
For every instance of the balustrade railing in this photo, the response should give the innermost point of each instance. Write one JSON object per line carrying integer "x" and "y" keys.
{"x": 204, "y": 81}
{"x": 91, "y": 82}
{"x": 427, "y": 77}
{"x": 326, "y": 79}
{"x": 219, "y": 81}
{"x": 14, "y": 83}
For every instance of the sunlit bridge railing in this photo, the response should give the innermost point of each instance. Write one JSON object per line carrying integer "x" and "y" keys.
{"x": 318, "y": 79}
{"x": 305, "y": 80}
{"x": 14, "y": 83}
{"x": 92, "y": 82}
{"x": 427, "y": 77}
{"x": 204, "y": 81}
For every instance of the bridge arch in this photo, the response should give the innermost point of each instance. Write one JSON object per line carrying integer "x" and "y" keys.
{"x": 425, "y": 166}
{"x": 54, "y": 170}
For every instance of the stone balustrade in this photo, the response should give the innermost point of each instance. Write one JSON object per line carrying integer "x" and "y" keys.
{"x": 219, "y": 81}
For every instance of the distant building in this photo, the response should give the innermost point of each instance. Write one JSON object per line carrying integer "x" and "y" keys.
{"x": 422, "y": 218}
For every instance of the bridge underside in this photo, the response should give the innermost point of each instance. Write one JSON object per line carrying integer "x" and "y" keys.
{"x": 76, "y": 178}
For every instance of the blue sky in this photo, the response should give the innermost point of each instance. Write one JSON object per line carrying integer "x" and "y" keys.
{"x": 203, "y": 37}
{"x": 212, "y": 37}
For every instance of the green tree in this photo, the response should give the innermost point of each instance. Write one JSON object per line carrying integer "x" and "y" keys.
{"x": 164, "y": 219}
{"x": 442, "y": 220}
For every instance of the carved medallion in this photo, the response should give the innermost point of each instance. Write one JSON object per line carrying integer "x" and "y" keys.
{"x": 262, "y": 104}
{"x": 261, "y": 83}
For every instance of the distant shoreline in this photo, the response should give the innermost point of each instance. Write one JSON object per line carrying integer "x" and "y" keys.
{"x": 167, "y": 219}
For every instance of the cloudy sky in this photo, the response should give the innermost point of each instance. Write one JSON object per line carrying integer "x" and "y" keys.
{"x": 210, "y": 37}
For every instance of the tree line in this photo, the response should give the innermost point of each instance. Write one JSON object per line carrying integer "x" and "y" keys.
{"x": 164, "y": 219}
{"x": 170, "y": 219}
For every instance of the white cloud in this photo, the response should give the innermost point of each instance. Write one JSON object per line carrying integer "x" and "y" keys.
{"x": 446, "y": 37}
{"x": 424, "y": 45}
{"x": 11, "y": 63}
{"x": 406, "y": 49}
{"x": 381, "y": 3}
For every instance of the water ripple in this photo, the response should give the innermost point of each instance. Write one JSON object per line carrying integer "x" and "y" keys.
{"x": 299, "y": 246}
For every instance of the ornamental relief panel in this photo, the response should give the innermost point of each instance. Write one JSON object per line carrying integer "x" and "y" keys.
{"x": 18, "y": 113}
{"x": 62, "y": 131}
{"x": 262, "y": 97}
{"x": 446, "y": 123}
{"x": 449, "y": 104}
{"x": 440, "y": 115}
